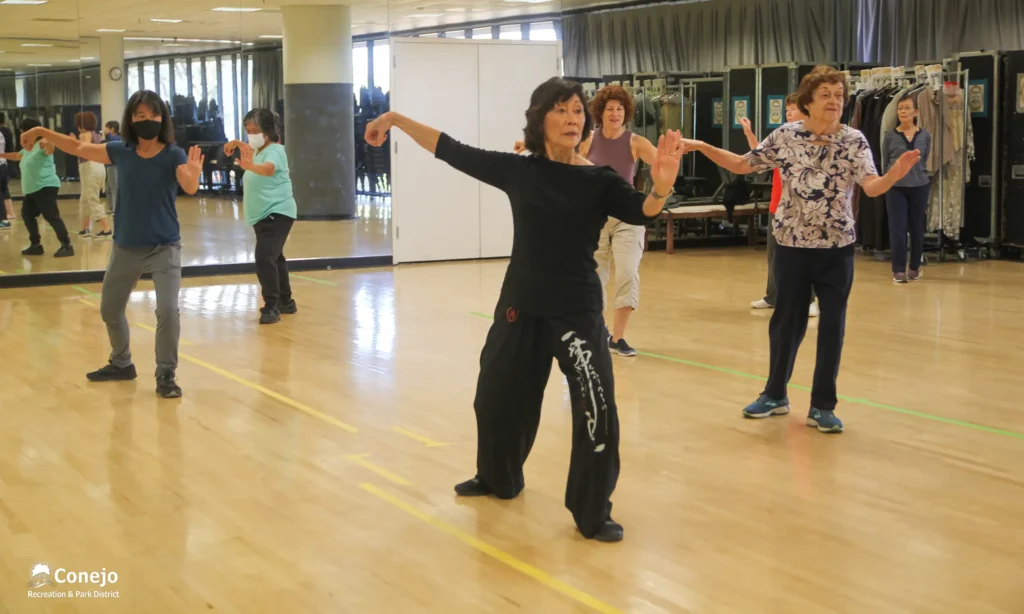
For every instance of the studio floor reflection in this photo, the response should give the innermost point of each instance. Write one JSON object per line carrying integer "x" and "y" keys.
{"x": 213, "y": 231}
{"x": 309, "y": 466}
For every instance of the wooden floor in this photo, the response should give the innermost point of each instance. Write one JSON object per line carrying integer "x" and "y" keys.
{"x": 309, "y": 466}
{"x": 213, "y": 231}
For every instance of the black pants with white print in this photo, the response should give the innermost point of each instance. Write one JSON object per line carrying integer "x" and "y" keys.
{"x": 515, "y": 366}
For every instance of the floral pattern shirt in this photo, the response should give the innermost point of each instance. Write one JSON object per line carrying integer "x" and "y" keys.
{"x": 819, "y": 175}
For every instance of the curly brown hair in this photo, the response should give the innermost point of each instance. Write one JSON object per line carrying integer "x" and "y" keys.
{"x": 815, "y": 79}
{"x": 544, "y": 98}
{"x": 86, "y": 120}
{"x": 608, "y": 93}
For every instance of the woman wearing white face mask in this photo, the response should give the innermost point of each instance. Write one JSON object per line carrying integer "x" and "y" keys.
{"x": 269, "y": 207}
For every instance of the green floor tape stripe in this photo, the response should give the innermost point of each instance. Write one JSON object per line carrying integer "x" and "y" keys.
{"x": 84, "y": 291}
{"x": 313, "y": 279}
{"x": 869, "y": 403}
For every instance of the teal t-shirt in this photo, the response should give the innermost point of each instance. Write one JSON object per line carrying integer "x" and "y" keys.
{"x": 267, "y": 195}
{"x": 37, "y": 170}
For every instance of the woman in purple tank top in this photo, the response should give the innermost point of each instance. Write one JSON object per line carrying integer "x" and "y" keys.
{"x": 621, "y": 244}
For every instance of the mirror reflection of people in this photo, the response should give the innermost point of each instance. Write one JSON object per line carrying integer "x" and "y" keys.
{"x": 551, "y": 302}
{"x": 793, "y": 114}
{"x": 269, "y": 208}
{"x": 621, "y": 245}
{"x": 822, "y": 161}
{"x": 111, "y": 134}
{"x": 92, "y": 175}
{"x": 907, "y": 202}
{"x": 7, "y": 145}
{"x": 40, "y": 184}
{"x": 147, "y": 236}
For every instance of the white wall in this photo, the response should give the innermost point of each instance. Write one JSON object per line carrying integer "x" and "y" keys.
{"x": 477, "y": 91}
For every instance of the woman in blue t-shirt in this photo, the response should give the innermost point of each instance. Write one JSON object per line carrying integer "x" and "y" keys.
{"x": 147, "y": 237}
{"x": 269, "y": 207}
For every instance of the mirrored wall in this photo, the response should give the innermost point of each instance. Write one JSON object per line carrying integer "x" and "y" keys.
{"x": 73, "y": 70}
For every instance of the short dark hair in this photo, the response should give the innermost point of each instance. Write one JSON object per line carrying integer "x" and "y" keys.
{"x": 815, "y": 79}
{"x": 152, "y": 100}
{"x": 911, "y": 97}
{"x": 608, "y": 93}
{"x": 793, "y": 98}
{"x": 86, "y": 120}
{"x": 29, "y": 123}
{"x": 114, "y": 127}
{"x": 266, "y": 121}
{"x": 553, "y": 91}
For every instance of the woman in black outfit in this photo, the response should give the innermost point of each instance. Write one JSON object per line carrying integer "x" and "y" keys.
{"x": 550, "y": 303}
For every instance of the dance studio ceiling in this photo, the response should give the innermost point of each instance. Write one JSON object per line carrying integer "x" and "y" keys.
{"x": 64, "y": 33}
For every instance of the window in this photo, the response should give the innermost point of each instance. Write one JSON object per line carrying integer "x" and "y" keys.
{"x": 181, "y": 77}
{"x": 382, "y": 65}
{"x": 360, "y": 67}
{"x": 19, "y": 92}
{"x": 482, "y": 33}
{"x": 229, "y": 104}
{"x": 431, "y": 35}
{"x": 511, "y": 33}
{"x": 197, "y": 79}
{"x": 455, "y": 34}
{"x": 133, "y": 79}
{"x": 252, "y": 104}
{"x": 543, "y": 31}
{"x": 212, "y": 81}
{"x": 165, "y": 82}
{"x": 149, "y": 76}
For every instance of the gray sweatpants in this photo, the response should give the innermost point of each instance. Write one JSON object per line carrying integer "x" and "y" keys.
{"x": 111, "y": 188}
{"x": 127, "y": 264}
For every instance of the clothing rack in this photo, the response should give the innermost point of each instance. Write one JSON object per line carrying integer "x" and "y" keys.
{"x": 950, "y": 82}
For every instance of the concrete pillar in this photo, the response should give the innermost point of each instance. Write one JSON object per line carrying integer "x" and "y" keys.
{"x": 113, "y": 94}
{"x": 318, "y": 113}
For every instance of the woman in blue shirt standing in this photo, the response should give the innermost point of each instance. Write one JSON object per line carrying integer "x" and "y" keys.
{"x": 40, "y": 184}
{"x": 269, "y": 208}
{"x": 907, "y": 201}
{"x": 147, "y": 235}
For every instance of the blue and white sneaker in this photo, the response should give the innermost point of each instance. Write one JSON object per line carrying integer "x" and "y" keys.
{"x": 764, "y": 407}
{"x": 825, "y": 420}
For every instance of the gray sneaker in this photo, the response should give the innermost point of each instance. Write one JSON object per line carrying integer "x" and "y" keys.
{"x": 899, "y": 278}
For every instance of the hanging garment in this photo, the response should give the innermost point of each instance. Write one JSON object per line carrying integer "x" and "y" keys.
{"x": 952, "y": 216}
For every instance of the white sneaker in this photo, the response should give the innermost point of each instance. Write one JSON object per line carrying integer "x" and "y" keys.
{"x": 762, "y": 304}
{"x": 814, "y": 310}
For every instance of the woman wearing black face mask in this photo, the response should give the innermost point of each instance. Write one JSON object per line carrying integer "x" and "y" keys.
{"x": 146, "y": 232}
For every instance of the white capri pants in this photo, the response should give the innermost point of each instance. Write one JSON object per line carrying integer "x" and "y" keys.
{"x": 621, "y": 245}
{"x": 93, "y": 175}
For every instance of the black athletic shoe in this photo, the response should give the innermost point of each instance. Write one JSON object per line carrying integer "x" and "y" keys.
{"x": 472, "y": 488}
{"x": 33, "y": 250}
{"x": 110, "y": 373}
{"x": 621, "y": 348}
{"x": 166, "y": 385}
{"x": 289, "y": 307}
{"x": 64, "y": 251}
{"x": 269, "y": 315}
{"x": 610, "y": 532}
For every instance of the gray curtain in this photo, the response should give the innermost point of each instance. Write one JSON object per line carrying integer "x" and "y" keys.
{"x": 8, "y": 93}
{"x": 709, "y": 35}
{"x": 267, "y": 79}
{"x": 55, "y": 88}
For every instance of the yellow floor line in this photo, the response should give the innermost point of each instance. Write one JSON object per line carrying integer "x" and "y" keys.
{"x": 360, "y": 459}
{"x": 254, "y": 386}
{"x": 182, "y": 340}
{"x": 544, "y": 578}
{"x": 270, "y": 393}
{"x": 430, "y": 443}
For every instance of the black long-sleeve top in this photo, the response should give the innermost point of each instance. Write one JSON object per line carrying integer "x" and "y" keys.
{"x": 558, "y": 211}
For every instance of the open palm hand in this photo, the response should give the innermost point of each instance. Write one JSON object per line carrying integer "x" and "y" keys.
{"x": 666, "y": 166}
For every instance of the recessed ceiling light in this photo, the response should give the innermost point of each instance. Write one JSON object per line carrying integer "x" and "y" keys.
{"x": 456, "y": 10}
{"x": 109, "y": 30}
{"x": 271, "y": 36}
{"x": 173, "y": 45}
{"x": 87, "y": 59}
{"x": 36, "y": 45}
{"x": 234, "y": 9}
{"x": 23, "y": 1}
{"x": 40, "y": 65}
{"x": 166, "y": 20}
{"x": 180, "y": 40}
{"x": 427, "y": 15}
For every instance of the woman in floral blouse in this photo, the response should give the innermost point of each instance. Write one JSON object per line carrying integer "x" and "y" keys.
{"x": 821, "y": 161}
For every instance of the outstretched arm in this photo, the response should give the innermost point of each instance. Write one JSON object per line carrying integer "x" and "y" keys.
{"x": 726, "y": 159}
{"x": 13, "y": 157}
{"x": 643, "y": 149}
{"x": 67, "y": 144}
{"x": 425, "y": 136}
{"x": 876, "y": 186}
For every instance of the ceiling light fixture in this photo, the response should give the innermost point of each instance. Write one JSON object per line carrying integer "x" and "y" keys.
{"x": 109, "y": 30}
{"x": 41, "y": 65}
{"x": 166, "y": 20}
{"x": 36, "y": 45}
{"x": 233, "y": 9}
{"x": 23, "y": 1}
{"x": 87, "y": 59}
{"x": 174, "y": 44}
{"x": 179, "y": 40}
{"x": 428, "y": 15}
{"x": 276, "y": 36}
